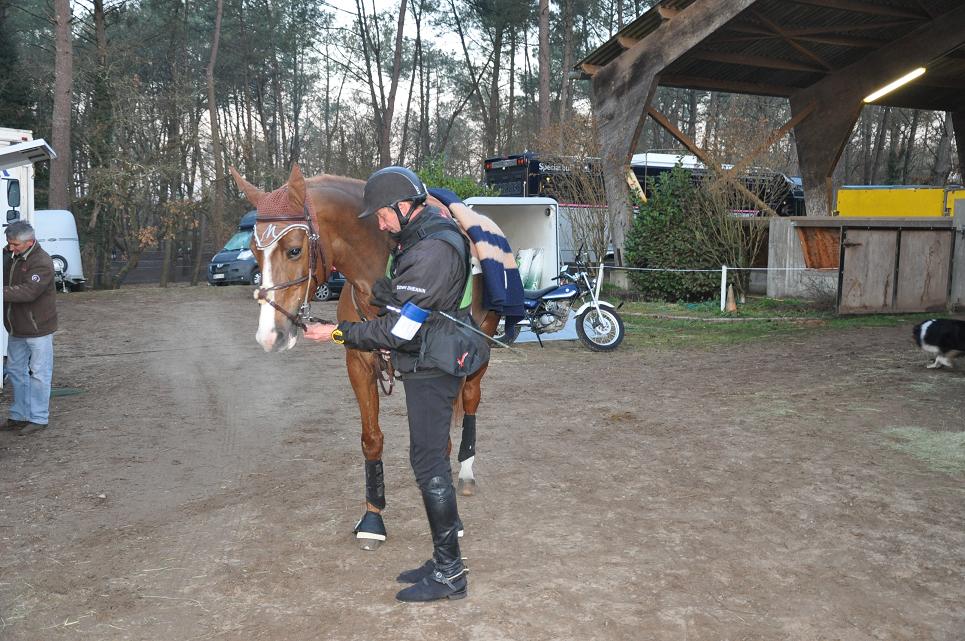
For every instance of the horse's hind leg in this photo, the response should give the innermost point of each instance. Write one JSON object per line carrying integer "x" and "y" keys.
{"x": 471, "y": 394}
{"x": 370, "y": 530}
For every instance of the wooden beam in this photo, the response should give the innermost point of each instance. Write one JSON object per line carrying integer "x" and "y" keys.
{"x": 841, "y": 41}
{"x": 627, "y": 42}
{"x": 856, "y": 6}
{"x": 623, "y": 88}
{"x": 728, "y": 86}
{"x": 590, "y": 70}
{"x": 747, "y": 60}
{"x": 708, "y": 161}
{"x": 807, "y": 53}
{"x": 775, "y": 135}
{"x": 822, "y": 30}
{"x": 822, "y": 137}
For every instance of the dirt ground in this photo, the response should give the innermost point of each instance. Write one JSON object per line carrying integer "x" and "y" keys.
{"x": 201, "y": 489}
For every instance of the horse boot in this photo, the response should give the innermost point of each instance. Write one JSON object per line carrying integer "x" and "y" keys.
{"x": 447, "y": 578}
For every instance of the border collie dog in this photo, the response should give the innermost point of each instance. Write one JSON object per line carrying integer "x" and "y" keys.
{"x": 943, "y": 337}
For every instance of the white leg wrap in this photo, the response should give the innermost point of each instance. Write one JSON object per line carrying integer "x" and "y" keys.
{"x": 465, "y": 469}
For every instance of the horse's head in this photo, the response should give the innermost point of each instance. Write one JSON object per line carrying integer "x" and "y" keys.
{"x": 289, "y": 252}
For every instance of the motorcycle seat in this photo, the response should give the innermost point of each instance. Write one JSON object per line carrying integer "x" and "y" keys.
{"x": 534, "y": 294}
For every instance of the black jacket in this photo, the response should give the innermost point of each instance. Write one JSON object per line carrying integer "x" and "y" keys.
{"x": 430, "y": 272}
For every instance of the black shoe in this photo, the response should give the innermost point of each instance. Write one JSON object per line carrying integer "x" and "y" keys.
{"x": 12, "y": 424}
{"x": 417, "y": 574}
{"x": 444, "y": 576}
{"x": 30, "y": 428}
{"x": 436, "y": 586}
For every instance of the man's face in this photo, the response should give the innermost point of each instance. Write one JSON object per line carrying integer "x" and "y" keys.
{"x": 19, "y": 246}
{"x": 388, "y": 221}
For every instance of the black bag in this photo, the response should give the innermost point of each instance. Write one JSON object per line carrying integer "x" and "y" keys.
{"x": 455, "y": 350}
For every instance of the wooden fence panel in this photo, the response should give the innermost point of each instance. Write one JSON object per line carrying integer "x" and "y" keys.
{"x": 924, "y": 270}
{"x": 867, "y": 271}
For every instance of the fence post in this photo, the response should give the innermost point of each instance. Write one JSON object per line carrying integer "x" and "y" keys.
{"x": 723, "y": 287}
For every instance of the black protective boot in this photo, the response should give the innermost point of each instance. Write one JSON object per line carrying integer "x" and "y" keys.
{"x": 417, "y": 574}
{"x": 447, "y": 578}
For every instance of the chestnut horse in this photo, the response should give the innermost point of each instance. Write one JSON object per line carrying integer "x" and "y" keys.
{"x": 303, "y": 230}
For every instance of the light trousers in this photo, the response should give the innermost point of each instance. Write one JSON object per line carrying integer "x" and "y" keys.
{"x": 30, "y": 366}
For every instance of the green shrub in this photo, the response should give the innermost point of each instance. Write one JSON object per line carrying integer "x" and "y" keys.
{"x": 433, "y": 174}
{"x": 662, "y": 236}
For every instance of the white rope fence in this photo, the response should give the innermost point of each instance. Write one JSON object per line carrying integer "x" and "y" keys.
{"x": 723, "y": 274}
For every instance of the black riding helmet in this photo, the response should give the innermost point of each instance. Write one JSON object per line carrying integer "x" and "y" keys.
{"x": 388, "y": 187}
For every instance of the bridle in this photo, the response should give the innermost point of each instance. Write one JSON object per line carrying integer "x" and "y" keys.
{"x": 316, "y": 254}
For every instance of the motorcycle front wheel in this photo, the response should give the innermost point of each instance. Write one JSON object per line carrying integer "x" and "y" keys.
{"x": 601, "y": 331}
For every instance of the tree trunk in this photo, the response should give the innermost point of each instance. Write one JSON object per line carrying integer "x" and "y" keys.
{"x": 385, "y": 139}
{"x": 712, "y": 116}
{"x": 567, "y": 63}
{"x": 511, "y": 107}
{"x": 544, "y": 69}
{"x": 879, "y": 144}
{"x": 909, "y": 146}
{"x": 691, "y": 113}
{"x": 217, "y": 187}
{"x": 60, "y": 167}
{"x": 866, "y": 149}
{"x": 943, "y": 152}
{"x": 492, "y": 116}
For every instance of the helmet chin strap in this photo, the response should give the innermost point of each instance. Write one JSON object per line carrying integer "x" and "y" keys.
{"x": 403, "y": 218}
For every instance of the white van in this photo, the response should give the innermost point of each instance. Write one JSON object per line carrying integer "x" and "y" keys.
{"x": 56, "y": 232}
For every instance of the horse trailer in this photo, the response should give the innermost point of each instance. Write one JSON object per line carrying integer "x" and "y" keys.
{"x": 18, "y": 153}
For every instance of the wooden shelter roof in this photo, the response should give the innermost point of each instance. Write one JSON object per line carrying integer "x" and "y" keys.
{"x": 776, "y": 47}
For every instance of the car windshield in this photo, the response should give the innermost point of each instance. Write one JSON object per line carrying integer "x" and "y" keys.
{"x": 241, "y": 240}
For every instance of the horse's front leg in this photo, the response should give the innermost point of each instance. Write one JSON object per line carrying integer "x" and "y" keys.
{"x": 370, "y": 530}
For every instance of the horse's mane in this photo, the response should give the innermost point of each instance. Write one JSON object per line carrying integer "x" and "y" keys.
{"x": 352, "y": 186}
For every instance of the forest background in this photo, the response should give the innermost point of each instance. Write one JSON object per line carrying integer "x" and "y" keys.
{"x": 147, "y": 102}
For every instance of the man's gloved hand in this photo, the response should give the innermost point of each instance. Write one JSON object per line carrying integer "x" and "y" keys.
{"x": 446, "y": 196}
{"x": 383, "y": 294}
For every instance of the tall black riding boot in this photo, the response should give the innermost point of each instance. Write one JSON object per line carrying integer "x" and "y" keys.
{"x": 448, "y": 578}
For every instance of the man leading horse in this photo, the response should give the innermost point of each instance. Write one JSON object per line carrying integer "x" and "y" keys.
{"x": 427, "y": 282}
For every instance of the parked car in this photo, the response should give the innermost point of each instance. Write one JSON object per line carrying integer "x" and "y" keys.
{"x": 235, "y": 263}
{"x": 331, "y": 289}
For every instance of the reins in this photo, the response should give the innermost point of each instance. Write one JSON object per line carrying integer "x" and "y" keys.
{"x": 382, "y": 358}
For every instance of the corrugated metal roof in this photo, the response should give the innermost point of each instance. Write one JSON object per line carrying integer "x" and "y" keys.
{"x": 778, "y": 46}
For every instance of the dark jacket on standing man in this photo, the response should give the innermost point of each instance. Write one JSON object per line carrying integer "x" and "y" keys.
{"x": 29, "y": 293}
{"x": 431, "y": 273}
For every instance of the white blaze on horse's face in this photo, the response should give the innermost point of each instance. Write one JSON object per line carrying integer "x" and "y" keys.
{"x": 266, "y": 335}
{"x": 268, "y": 331}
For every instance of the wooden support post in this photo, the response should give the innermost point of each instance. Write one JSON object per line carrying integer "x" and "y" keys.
{"x": 622, "y": 90}
{"x": 838, "y": 98}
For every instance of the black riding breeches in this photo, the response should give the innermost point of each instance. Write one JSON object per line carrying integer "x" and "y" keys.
{"x": 429, "y": 405}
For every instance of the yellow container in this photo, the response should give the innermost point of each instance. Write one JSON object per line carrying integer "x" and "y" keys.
{"x": 904, "y": 201}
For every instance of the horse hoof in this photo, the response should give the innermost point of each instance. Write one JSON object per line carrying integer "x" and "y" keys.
{"x": 467, "y": 487}
{"x": 370, "y": 545}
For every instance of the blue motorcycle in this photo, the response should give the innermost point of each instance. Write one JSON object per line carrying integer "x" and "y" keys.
{"x": 598, "y": 324}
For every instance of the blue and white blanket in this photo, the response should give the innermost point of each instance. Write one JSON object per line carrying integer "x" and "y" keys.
{"x": 503, "y": 288}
